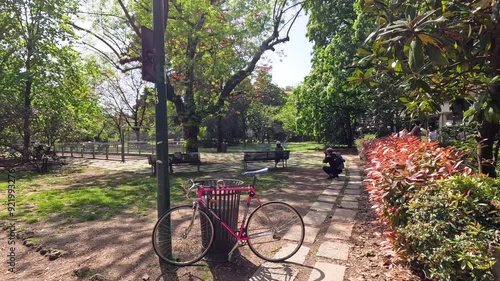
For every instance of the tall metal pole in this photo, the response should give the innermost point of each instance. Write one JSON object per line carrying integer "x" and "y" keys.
{"x": 159, "y": 24}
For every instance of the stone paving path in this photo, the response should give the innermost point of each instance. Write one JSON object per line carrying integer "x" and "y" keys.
{"x": 326, "y": 251}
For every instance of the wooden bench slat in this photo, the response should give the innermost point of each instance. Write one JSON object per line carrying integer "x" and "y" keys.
{"x": 250, "y": 156}
{"x": 192, "y": 158}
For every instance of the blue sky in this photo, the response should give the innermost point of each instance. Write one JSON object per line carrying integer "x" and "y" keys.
{"x": 295, "y": 63}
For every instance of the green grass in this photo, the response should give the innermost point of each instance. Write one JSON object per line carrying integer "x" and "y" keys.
{"x": 75, "y": 194}
{"x": 85, "y": 201}
{"x": 292, "y": 146}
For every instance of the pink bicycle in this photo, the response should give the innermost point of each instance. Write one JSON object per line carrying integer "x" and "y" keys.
{"x": 274, "y": 231}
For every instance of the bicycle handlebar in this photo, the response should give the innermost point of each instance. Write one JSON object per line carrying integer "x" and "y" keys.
{"x": 199, "y": 183}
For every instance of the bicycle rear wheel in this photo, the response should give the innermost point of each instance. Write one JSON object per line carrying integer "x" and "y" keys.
{"x": 182, "y": 236}
{"x": 275, "y": 231}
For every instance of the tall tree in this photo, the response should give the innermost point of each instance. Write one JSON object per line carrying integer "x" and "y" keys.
{"x": 212, "y": 47}
{"x": 126, "y": 98}
{"x": 442, "y": 51}
{"x": 42, "y": 75}
{"x": 327, "y": 104}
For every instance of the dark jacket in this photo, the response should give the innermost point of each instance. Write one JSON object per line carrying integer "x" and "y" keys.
{"x": 335, "y": 161}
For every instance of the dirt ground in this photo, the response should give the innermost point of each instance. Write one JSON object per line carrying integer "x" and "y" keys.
{"x": 120, "y": 248}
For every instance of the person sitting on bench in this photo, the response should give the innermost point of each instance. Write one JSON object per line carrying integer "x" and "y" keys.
{"x": 278, "y": 153}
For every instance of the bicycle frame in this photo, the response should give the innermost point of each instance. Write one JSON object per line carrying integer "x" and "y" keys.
{"x": 251, "y": 194}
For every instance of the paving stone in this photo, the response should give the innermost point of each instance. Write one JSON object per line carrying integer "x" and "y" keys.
{"x": 349, "y": 204}
{"x": 339, "y": 230}
{"x": 353, "y": 186}
{"x": 355, "y": 177}
{"x": 335, "y": 187}
{"x": 322, "y": 206}
{"x": 275, "y": 272}
{"x": 325, "y": 198}
{"x": 327, "y": 272}
{"x": 337, "y": 183}
{"x": 352, "y": 191}
{"x": 310, "y": 234}
{"x": 298, "y": 257}
{"x": 344, "y": 215}
{"x": 294, "y": 233}
{"x": 331, "y": 192}
{"x": 314, "y": 217}
{"x": 355, "y": 182}
{"x": 350, "y": 197}
{"x": 334, "y": 250}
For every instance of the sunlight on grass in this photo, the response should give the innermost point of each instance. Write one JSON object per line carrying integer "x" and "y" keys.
{"x": 82, "y": 194}
{"x": 292, "y": 146}
{"x": 86, "y": 201}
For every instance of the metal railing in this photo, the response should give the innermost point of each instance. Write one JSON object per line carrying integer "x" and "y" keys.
{"x": 107, "y": 150}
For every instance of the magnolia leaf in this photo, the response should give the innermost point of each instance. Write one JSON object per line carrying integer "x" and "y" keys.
{"x": 416, "y": 55}
{"x": 437, "y": 57}
{"x": 404, "y": 100}
{"x": 495, "y": 79}
{"x": 427, "y": 39}
{"x": 363, "y": 52}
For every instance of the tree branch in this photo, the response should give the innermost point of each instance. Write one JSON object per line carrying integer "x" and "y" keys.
{"x": 130, "y": 19}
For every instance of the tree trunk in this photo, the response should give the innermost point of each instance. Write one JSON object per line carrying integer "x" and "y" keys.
{"x": 487, "y": 133}
{"x": 191, "y": 137}
{"x": 220, "y": 134}
{"x": 489, "y": 130}
{"x": 27, "y": 108}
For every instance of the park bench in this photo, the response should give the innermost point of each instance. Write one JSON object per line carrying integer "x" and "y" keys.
{"x": 192, "y": 158}
{"x": 262, "y": 156}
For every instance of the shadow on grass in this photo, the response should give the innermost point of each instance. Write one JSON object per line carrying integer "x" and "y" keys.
{"x": 88, "y": 196}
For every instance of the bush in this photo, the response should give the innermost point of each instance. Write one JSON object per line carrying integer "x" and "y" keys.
{"x": 400, "y": 167}
{"x": 450, "y": 226}
{"x": 364, "y": 145}
{"x": 437, "y": 213}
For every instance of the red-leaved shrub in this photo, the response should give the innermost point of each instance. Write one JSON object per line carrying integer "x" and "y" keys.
{"x": 398, "y": 168}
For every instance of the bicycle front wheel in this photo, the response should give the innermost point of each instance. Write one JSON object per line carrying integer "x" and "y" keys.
{"x": 182, "y": 236}
{"x": 275, "y": 231}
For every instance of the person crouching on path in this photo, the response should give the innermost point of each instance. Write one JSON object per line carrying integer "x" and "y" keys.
{"x": 336, "y": 164}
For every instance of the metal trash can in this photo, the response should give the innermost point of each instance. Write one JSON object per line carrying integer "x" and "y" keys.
{"x": 226, "y": 205}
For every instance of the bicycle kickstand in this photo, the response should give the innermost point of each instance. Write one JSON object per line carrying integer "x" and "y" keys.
{"x": 232, "y": 250}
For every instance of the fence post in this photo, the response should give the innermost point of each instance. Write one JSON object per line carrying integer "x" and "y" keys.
{"x": 123, "y": 145}
{"x": 107, "y": 147}
{"x": 62, "y": 149}
{"x": 71, "y": 150}
{"x": 93, "y": 151}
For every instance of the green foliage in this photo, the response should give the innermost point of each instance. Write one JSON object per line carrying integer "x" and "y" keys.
{"x": 364, "y": 145}
{"x": 330, "y": 103}
{"x": 451, "y": 225}
{"x": 437, "y": 50}
{"x": 45, "y": 79}
{"x": 287, "y": 116}
{"x": 438, "y": 213}
{"x": 212, "y": 47}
